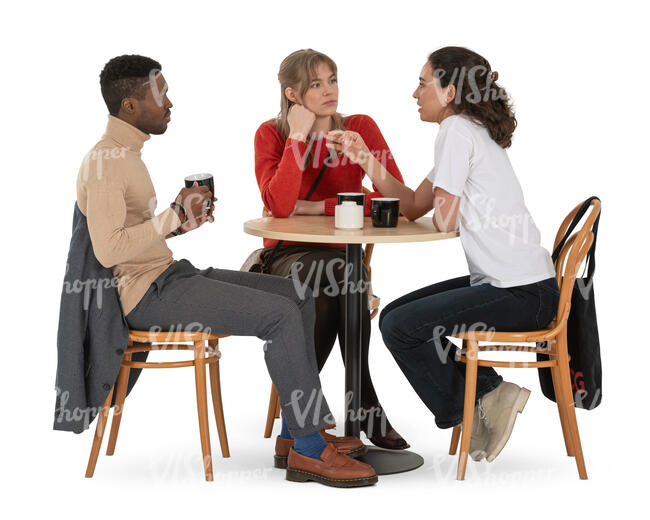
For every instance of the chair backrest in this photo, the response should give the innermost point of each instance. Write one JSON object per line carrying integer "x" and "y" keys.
{"x": 572, "y": 255}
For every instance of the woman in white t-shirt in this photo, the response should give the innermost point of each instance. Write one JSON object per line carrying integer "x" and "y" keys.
{"x": 473, "y": 188}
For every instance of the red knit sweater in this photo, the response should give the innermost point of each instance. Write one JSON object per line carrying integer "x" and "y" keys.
{"x": 278, "y": 168}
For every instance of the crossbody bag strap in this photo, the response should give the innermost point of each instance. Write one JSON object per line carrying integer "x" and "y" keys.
{"x": 269, "y": 259}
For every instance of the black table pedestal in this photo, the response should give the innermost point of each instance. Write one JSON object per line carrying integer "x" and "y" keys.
{"x": 383, "y": 461}
{"x": 386, "y": 462}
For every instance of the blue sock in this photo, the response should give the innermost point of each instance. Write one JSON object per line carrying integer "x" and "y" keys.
{"x": 285, "y": 429}
{"x": 311, "y": 445}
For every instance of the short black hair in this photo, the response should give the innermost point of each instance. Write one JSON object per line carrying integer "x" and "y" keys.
{"x": 123, "y": 77}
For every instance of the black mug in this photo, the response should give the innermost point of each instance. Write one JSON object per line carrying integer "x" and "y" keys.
{"x": 202, "y": 179}
{"x": 384, "y": 212}
{"x": 359, "y": 198}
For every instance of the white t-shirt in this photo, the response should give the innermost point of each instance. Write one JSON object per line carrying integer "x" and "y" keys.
{"x": 500, "y": 239}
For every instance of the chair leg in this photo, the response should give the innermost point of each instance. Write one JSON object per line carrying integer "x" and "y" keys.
{"x": 120, "y": 396}
{"x": 278, "y": 408}
{"x": 202, "y": 406}
{"x": 568, "y": 404}
{"x": 217, "y": 404}
{"x": 468, "y": 409}
{"x": 455, "y": 436}
{"x": 271, "y": 414}
{"x": 102, "y": 418}
{"x": 558, "y": 388}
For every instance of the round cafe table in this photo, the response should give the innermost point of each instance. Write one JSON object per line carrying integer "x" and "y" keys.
{"x": 320, "y": 229}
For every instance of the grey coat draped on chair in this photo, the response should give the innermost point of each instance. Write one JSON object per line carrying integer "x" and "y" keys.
{"x": 92, "y": 336}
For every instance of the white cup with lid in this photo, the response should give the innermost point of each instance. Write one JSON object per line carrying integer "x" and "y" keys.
{"x": 348, "y": 215}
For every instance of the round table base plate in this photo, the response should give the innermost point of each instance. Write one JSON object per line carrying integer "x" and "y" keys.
{"x": 387, "y": 462}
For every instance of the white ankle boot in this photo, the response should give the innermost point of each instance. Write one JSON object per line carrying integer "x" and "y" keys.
{"x": 497, "y": 412}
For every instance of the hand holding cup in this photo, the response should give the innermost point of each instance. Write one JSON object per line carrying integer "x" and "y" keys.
{"x": 195, "y": 200}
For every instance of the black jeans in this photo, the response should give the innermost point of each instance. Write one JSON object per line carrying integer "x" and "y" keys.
{"x": 414, "y": 329}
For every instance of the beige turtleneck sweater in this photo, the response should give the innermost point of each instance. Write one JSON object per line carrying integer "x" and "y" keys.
{"x": 115, "y": 193}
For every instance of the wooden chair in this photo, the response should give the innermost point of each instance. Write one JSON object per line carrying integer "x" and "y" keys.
{"x": 202, "y": 356}
{"x": 566, "y": 269}
{"x": 373, "y": 303}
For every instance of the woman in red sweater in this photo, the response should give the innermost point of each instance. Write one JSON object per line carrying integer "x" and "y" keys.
{"x": 290, "y": 152}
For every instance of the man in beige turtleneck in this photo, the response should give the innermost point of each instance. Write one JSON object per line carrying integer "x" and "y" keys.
{"x": 115, "y": 193}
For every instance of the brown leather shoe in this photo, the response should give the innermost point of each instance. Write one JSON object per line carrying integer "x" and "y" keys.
{"x": 382, "y": 434}
{"x": 333, "y": 469}
{"x": 391, "y": 441}
{"x": 350, "y": 446}
{"x": 346, "y": 445}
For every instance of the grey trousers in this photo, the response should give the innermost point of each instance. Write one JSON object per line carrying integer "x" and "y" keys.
{"x": 246, "y": 304}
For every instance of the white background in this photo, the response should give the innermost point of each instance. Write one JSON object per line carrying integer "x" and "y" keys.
{"x": 578, "y": 75}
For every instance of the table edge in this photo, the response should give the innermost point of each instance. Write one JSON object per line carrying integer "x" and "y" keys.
{"x": 351, "y": 239}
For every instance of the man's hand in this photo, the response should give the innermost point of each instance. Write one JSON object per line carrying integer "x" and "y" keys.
{"x": 195, "y": 200}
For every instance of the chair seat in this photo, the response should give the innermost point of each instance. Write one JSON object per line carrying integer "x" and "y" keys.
{"x": 203, "y": 355}
{"x": 145, "y": 336}
{"x": 524, "y": 337}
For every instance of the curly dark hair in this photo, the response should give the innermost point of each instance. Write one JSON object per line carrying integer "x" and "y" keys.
{"x": 477, "y": 94}
{"x": 124, "y": 76}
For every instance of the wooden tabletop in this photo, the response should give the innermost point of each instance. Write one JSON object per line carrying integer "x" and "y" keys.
{"x": 306, "y": 228}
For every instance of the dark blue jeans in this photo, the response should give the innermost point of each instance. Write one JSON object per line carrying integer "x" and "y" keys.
{"x": 415, "y": 326}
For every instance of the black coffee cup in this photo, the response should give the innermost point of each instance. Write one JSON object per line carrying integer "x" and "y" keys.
{"x": 384, "y": 212}
{"x": 202, "y": 179}
{"x": 359, "y": 198}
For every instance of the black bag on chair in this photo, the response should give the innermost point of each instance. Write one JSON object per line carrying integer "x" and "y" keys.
{"x": 582, "y": 330}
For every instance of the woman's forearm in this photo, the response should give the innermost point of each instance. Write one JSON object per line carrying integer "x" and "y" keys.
{"x": 309, "y": 207}
{"x": 389, "y": 186}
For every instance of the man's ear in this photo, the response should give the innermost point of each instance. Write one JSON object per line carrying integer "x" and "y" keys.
{"x": 291, "y": 94}
{"x": 128, "y": 106}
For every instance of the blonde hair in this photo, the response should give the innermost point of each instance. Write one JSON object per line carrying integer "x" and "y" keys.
{"x": 296, "y": 72}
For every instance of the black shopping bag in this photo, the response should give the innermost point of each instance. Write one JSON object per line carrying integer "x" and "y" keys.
{"x": 582, "y": 331}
